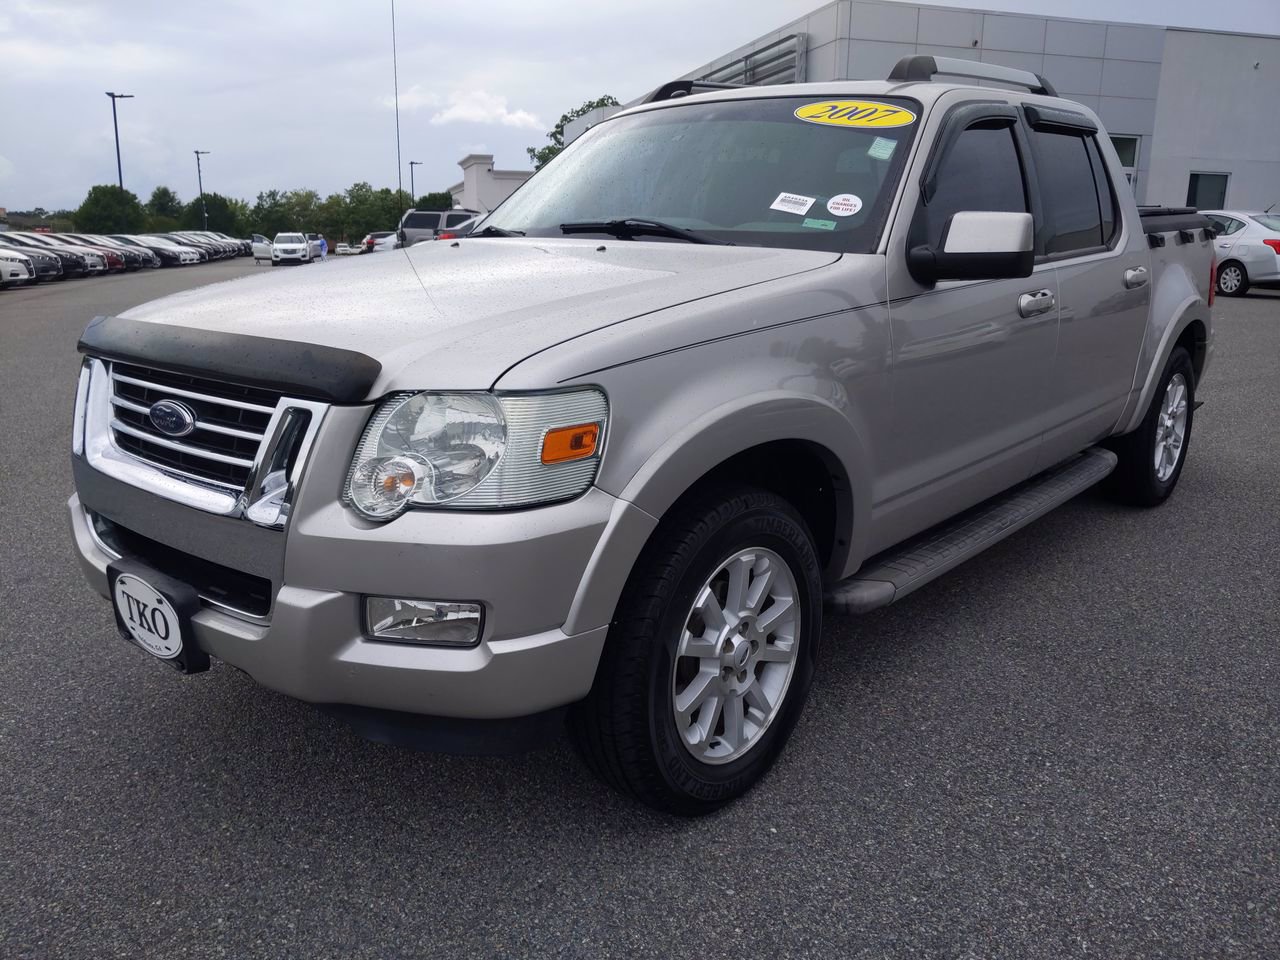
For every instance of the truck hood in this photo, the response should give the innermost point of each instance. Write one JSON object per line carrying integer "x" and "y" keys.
{"x": 456, "y": 315}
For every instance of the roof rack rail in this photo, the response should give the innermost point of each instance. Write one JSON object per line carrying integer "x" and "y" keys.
{"x": 925, "y": 68}
{"x": 685, "y": 88}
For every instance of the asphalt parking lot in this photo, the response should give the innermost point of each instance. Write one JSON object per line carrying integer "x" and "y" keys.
{"x": 1068, "y": 747}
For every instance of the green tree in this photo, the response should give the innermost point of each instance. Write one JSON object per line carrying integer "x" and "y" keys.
{"x": 440, "y": 200}
{"x": 157, "y": 224}
{"x": 269, "y": 215}
{"x": 332, "y": 217}
{"x": 301, "y": 207}
{"x": 541, "y": 156}
{"x": 224, "y": 214}
{"x": 164, "y": 203}
{"x": 109, "y": 209}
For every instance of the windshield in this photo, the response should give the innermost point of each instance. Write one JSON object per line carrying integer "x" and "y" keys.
{"x": 289, "y": 238}
{"x": 805, "y": 172}
{"x": 1269, "y": 220}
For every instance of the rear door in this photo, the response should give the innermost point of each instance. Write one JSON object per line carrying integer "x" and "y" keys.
{"x": 971, "y": 358}
{"x": 1103, "y": 280}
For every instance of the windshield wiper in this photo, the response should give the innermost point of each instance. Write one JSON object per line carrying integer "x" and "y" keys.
{"x": 636, "y": 226}
{"x": 496, "y": 232}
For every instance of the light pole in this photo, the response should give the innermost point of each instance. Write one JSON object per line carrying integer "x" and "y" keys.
{"x": 116, "y": 125}
{"x": 200, "y": 180}
{"x": 413, "y": 194}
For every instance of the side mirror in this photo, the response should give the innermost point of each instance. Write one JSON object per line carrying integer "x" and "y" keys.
{"x": 977, "y": 245}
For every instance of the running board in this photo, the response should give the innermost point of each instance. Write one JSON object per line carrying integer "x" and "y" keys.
{"x": 895, "y": 573}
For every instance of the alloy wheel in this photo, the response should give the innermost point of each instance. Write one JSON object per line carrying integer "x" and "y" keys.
{"x": 1171, "y": 428}
{"x": 736, "y": 655}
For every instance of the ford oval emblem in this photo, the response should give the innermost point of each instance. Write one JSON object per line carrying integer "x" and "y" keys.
{"x": 172, "y": 418}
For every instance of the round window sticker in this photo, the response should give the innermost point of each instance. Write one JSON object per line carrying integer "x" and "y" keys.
{"x": 844, "y": 205}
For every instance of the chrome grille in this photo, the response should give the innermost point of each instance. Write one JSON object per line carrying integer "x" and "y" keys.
{"x": 231, "y": 422}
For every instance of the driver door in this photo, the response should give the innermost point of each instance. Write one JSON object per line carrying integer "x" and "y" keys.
{"x": 261, "y": 247}
{"x": 971, "y": 360}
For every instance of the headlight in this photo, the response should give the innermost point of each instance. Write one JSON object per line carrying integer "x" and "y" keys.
{"x": 8, "y": 259}
{"x": 476, "y": 451}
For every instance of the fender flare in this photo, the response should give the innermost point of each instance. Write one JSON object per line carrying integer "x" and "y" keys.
{"x": 698, "y": 448}
{"x": 1191, "y": 309}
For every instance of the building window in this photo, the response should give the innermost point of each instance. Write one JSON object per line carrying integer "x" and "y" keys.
{"x": 1207, "y": 191}
{"x": 1127, "y": 151}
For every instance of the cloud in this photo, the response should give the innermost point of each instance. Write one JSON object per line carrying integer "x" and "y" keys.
{"x": 479, "y": 106}
{"x": 415, "y": 98}
{"x": 6, "y": 167}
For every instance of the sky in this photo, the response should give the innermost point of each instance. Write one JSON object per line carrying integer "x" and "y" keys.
{"x": 298, "y": 93}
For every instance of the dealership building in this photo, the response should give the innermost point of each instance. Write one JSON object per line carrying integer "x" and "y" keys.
{"x": 1192, "y": 113}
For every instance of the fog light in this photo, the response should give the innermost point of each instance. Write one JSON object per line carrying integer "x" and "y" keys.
{"x": 436, "y": 622}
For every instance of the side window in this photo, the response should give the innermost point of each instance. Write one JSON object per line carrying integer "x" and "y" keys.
{"x": 980, "y": 172}
{"x": 422, "y": 221}
{"x": 453, "y": 219}
{"x": 1072, "y": 217}
{"x": 1107, "y": 204}
{"x": 1233, "y": 225}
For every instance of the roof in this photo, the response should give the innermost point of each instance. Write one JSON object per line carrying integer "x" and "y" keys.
{"x": 925, "y": 91}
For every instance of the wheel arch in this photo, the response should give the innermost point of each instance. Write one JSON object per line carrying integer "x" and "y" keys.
{"x": 801, "y": 448}
{"x": 1192, "y": 328}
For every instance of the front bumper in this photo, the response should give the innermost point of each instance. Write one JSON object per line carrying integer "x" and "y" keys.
{"x": 525, "y": 568}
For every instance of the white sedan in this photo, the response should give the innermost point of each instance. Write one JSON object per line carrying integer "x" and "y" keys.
{"x": 290, "y": 247}
{"x": 15, "y": 267}
{"x": 1248, "y": 249}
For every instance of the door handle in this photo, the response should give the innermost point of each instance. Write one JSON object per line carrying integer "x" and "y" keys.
{"x": 1033, "y": 304}
{"x": 1135, "y": 277}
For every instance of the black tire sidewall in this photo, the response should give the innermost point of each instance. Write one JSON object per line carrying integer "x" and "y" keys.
{"x": 777, "y": 529}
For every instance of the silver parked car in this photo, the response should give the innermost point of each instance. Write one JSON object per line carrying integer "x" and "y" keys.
{"x": 1248, "y": 248}
{"x": 729, "y": 356}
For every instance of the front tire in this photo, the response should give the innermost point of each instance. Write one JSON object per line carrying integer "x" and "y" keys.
{"x": 1233, "y": 279}
{"x": 710, "y": 655}
{"x": 1152, "y": 457}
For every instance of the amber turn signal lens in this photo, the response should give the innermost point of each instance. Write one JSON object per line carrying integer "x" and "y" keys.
{"x": 564, "y": 444}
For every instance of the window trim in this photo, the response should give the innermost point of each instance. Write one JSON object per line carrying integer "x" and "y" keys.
{"x": 1117, "y": 230}
{"x": 959, "y": 118}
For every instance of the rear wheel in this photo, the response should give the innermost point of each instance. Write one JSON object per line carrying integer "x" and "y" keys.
{"x": 1233, "y": 279}
{"x": 1152, "y": 457}
{"x": 710, "y": 656}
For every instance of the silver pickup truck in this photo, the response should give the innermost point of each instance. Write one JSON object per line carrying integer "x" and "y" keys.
{"x": 732, "y": 358}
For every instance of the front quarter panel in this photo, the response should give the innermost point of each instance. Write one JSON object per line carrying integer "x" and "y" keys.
{"x": 801, "y": 358}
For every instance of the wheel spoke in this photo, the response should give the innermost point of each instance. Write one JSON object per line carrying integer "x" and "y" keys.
{"x": 775, "y": 653}
{"x": 712, "y": 613}
{"x": 707, "y": 719}
{"x": 757, "y": 701}
{"x": 734, "y": 732}
{"x": 700, "y": 688}
{"x": 780, "y": 608}
{"x": 735, "y": 599}
{"x": 759, "y": 590}
{"x": 703, "y": 647}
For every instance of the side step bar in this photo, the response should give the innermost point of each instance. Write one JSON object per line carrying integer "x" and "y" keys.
{"x": 893, "y": 574}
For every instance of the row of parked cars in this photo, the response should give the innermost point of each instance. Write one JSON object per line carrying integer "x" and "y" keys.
{"x": 30, "y": 257}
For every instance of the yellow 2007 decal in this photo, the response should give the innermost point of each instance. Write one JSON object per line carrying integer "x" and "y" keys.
{"x": 855, "y": 113}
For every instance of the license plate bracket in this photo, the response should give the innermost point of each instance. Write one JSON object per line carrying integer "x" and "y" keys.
{"x": 158, "y": 609}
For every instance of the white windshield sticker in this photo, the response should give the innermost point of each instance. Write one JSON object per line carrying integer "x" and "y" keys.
{"x": 881, "y": 148}
{"x": 792, "y": 203}
{"x": 844, "y": 205}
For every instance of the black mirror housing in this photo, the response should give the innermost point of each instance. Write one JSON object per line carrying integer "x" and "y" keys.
{"x": 928, "y": 266}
